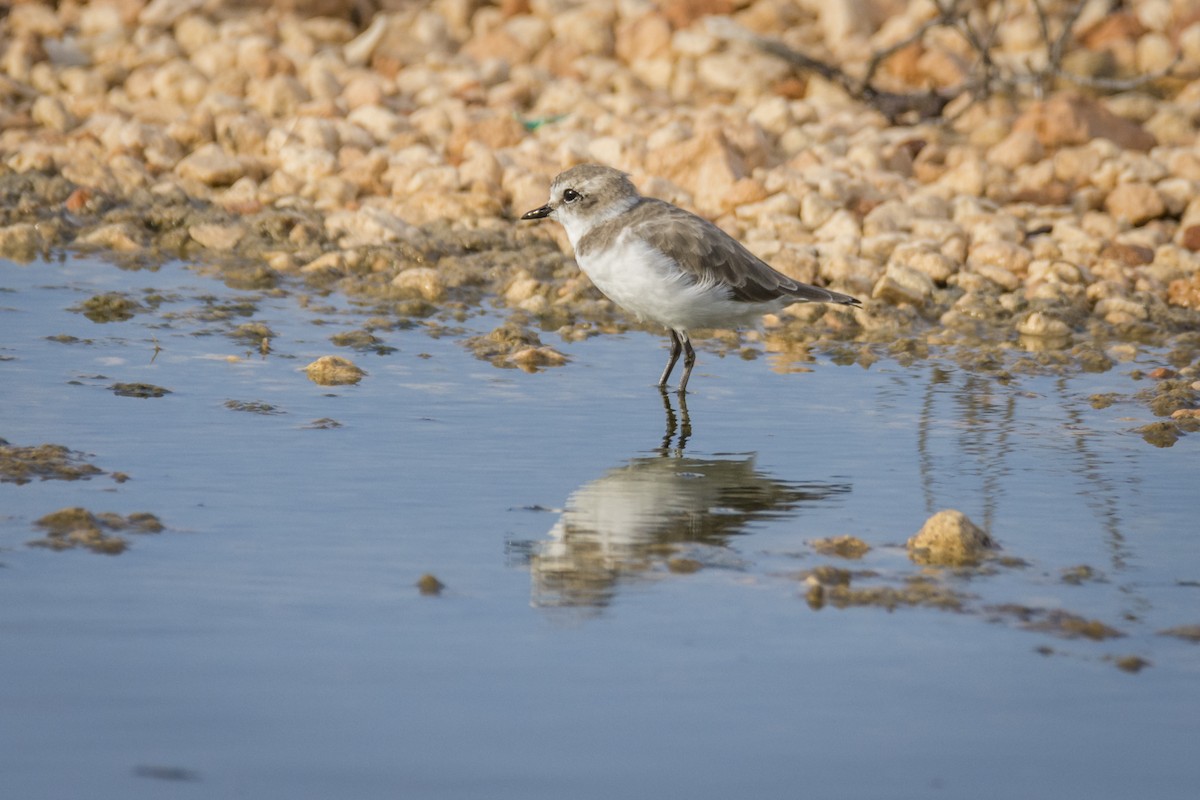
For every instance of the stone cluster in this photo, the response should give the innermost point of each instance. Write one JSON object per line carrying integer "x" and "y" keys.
{"x": 390, "y": 143}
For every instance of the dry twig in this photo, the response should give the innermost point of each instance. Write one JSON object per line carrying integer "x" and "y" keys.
{"x": 979, "y": 26}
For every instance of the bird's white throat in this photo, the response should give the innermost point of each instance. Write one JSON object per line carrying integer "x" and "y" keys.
{"x": 580, "y": 222}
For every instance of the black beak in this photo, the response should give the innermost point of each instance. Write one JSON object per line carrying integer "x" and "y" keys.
{"x": 538, "y": 213}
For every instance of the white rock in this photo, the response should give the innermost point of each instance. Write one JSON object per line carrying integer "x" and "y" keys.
{"x": 1008, "y": 255}
{"x": 210, "y": 165}
{"x": 889, "y": 216}
{"x": 902, "y": 284}
{"x": 1043, "y": 326}
{"x": 924, "y": 257}
{"x": 949, "y": 538}
{"x": 371, "y": 225}
{"x": 381, "y": 123}
{"x": 358, "y": 51}
{"x": 117, "y": 236}
{"x": 216, "y": 236}
{"x": 164, "y": 13}
{"x": 306, "y": 163}
{"x": 424, "y": 282}
{"x": 49, "y": 112}
{"x": 21, "y": 240}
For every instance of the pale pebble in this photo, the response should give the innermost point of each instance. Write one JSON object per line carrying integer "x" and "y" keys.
{"x": 424, "y": 282}
{"x": 949, "y": 538}
{"x": 215, "y": 236}
{"x": 210, "y": 165}
{"x": 901, "y": 284}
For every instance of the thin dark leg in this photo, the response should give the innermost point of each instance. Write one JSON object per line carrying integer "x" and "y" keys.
{"x": 676, "y": 347}
{"x": 689, "y": 360}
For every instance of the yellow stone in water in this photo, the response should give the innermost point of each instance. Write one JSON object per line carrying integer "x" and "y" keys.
{"x": 429, "y": 584}
{"x": 949, "y": 538}
{"x": 334, "y": 371}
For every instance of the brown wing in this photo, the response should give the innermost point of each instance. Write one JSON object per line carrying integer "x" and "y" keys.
{"x": 716, "y": 256}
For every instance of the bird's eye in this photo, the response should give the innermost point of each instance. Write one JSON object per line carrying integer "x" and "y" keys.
{"x": 570, "y": 196}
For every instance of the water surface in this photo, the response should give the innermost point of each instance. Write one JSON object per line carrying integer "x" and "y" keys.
{"x": 624, "y": 613}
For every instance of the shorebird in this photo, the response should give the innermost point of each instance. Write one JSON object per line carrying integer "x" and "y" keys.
{"x": 665, "y": 264}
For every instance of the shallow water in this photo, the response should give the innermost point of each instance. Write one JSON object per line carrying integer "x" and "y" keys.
{"x": 271, "y": 642}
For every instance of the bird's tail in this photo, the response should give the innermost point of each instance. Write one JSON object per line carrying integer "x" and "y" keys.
{"x": 814, "y": 294}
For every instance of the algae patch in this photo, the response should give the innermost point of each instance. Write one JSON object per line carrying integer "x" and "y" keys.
{"x": 850, "y": 547}
{"x": 835, "y": 587}
{"x": 254, "y": 407}
{"x": 511, "y": 345}
{"x": 109, "y": 307}
{"x": 252, "y": 333}
{"x": 66, "y": 338}
{"x": 1057, "y": 622}
{"x": 142, "y": 390}
{"x": 1080, "y": 574}
{"x": 69, "y": 528}
{"x": 684, "y": 566}
{"x": 1189, "y": 633}
{"x": 362, "y": 341}
{"x": 46, "y": 461}
{"x": 1160, "y": 434}
{"x": 1133, "y": 664}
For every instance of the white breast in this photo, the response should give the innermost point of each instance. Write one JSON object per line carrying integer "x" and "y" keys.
{"x": 649, "y": 284}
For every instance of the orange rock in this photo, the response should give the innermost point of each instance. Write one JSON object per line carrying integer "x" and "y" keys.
{"x": 683, "y": 13}
{"x": 1069, "y": 119}
{"x": 497, "y": 43}
{"x": 78, "y": 199}
{"x": 1185, "y": 292}
{"x": 648, "y": 36}
{"x": 706, "y": 165}
{"x": 1137, "y": 203}
{"x": 493, "y": 130}
{"x": 793, "y": 88}
{"x": 905, "y": 64}
{"x": 745, "y": 191}
{"x": 561, "y": 58}
{"x": 940, "y": 68}
{"x": 510, "y": 8}
{"x": 1113, "y": 29}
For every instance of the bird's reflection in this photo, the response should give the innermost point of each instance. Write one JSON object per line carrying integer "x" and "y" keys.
{"x": 674, "y": 426}
{"x": 633, "y": 519}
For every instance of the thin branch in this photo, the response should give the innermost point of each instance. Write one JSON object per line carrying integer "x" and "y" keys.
{"x": 1056, "y": 46}
{"x": 893, "y": 105}
{"x": 979, "y": 26}
{"x": 1060, "y": 44}
{"x": 1122, "y": 84}
{"x": 727, "y": 29}
{"x": 879, "y": 56}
